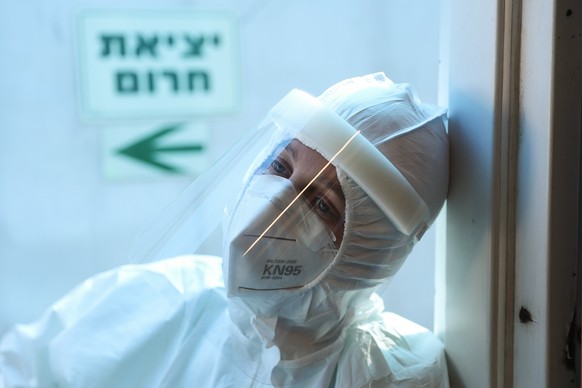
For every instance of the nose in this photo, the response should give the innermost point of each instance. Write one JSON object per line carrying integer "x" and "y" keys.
{"x": 303, "y": 185}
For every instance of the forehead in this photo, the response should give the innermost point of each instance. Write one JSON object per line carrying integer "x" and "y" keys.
{"x": 308, "y": 163}
{"x": 303, "y": 154}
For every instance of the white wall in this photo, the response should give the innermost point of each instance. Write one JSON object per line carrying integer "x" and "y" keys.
{"x": 472, "y": 270}
{"x": 61, "y": 221}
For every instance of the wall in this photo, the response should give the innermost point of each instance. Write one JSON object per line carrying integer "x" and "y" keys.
{"x": 470, "y": 272}
{"x": 61, "y": 220}
{"x": 547, "y": 278}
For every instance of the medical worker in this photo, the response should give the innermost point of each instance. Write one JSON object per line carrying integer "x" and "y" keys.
{"x": 315, "y": 208}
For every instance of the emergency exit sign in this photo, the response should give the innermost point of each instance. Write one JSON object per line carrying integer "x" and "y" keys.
{"x": 145, "y": 64}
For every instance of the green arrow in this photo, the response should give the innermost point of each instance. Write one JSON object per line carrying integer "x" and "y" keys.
{"x": 147, "y": 149}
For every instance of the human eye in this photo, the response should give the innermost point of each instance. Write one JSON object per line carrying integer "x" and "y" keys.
{"x": 326, "y": 210}
{"x": 277, "y": 167}
{"x": 328, "y": 205}
{"x": 322, "y": 206}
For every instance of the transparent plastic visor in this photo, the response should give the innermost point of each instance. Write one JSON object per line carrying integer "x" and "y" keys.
{"x": 193, "y": 220}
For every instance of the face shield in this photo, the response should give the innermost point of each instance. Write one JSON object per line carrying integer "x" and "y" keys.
{"x": 274, "y": 204}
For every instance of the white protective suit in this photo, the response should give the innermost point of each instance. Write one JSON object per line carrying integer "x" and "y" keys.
{"x": 299, "y": 307}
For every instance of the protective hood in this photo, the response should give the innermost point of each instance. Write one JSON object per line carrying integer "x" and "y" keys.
{"x": 301, "y": 257}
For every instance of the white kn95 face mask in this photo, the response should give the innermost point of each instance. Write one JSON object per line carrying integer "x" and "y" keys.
{"x": 275, "y": 241}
